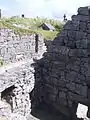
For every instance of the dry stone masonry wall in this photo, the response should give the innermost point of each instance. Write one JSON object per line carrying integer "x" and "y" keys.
{"x": 15, "y": 47}
{"x": 61, "y": 78}
{"x": 17, "y": 74}
{"x": 15, "y": 87}
{"x": 64, "y": 73}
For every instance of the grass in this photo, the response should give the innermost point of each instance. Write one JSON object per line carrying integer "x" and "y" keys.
{"x": 48, "y": 35}
{"x": 1, "y": 62}
{"x": 31, "y": 25}
{"x": 32, "y": 22}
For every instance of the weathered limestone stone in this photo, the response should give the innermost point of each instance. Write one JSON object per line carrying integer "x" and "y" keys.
{"x": 84, "y": 10}
{"x": 65, "y": 72}
{"x": 60, "y": 78}
{"x": 81, "y": 18}
{"x": 19, "y": 45}
{"x": 82, "y": 26}
{"x": 17, "y": 78}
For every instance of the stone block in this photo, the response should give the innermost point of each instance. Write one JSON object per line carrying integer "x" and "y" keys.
{"x": 78, "y": 53}
{"x": 83, "y": 10}
{"x": 84, "y": 91}
{"x": 62, "y": 95}
{"x": 61, "y": 83}
{"x": 81, "y": 18}
{"x": 71, "y": 44}
{"x": 79, "y": 35}
{"x": 71, "y": 34}
{"x": 75, "y": 97}
{"x": 71, "y": 86}
{"x": 71, "y": 76}
{"x": 70, "y": 26}
{"x": 82, "y": 26}
{"x": 84, "y": 71}
{"x": 81, "y": 44}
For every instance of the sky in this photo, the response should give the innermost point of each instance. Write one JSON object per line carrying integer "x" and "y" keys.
{"x": 42, "y": 8}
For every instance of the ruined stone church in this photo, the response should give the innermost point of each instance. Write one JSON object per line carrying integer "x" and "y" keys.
{"x": 58, "y": 76}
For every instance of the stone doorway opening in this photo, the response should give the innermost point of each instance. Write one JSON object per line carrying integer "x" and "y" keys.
{"x": 7, "y": 95}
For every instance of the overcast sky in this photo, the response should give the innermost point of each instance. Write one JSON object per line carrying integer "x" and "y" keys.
{"x": 42, "y": 8}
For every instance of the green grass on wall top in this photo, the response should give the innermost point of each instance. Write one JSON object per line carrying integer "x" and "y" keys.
{"x": 31, "y": 25}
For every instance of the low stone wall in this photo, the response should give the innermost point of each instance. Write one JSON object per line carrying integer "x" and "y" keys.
{"x": 15, "y": 47}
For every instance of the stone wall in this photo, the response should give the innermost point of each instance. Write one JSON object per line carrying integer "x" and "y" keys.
{"x": 15, "y": 47}
{"x": 22, "y": 78}
{"x": 61, "y": 78}
{"x": 17, "y": 77}
{"x": 63, "y": 73}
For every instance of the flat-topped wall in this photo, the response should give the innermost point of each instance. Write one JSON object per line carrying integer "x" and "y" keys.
{"x": 17, "y": 77}
{"x": 15, "y": 47}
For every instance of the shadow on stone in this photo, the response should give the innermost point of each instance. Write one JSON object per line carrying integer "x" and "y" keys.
{"x": 7, "y": 95}
{"x": 47, "y": 112}
{"x": 61, "y": 76}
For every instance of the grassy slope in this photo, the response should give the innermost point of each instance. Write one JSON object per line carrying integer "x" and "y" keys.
{"x": 33, "y": 25}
